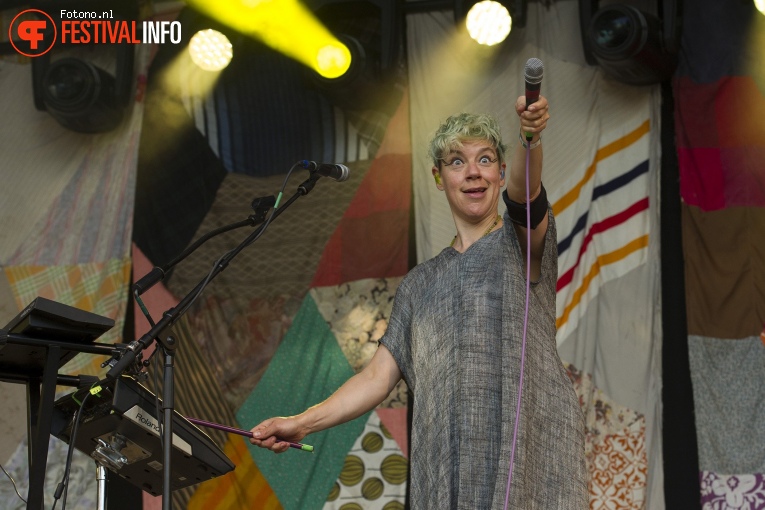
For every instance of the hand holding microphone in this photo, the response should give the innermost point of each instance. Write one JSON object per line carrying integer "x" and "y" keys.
{"x": 532, "y": 108}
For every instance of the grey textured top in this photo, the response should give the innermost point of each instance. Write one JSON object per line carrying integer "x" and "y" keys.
{"x": 455, "y": 332}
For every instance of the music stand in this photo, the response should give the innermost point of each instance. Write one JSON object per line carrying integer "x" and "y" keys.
{"x": 33, "y": 346}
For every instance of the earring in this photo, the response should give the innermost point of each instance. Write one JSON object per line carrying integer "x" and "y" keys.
{"x": 502, "y": 174}
{"x": 437, "y": 178}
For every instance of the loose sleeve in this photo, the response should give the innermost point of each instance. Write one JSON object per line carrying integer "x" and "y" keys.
{"x": 397, "y": 337}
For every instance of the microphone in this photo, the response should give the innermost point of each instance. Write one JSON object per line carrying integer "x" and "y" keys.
{"x": 532, "y": 74}
{"x": 334, "y": 171}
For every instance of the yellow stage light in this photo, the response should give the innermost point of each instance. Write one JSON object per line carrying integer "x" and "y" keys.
{"x": 333, "y": 60}
{"x": 488, "y": 22}
{"x": 760, "y": 4}
{"x": 287, "y": 26}
{"x": 210, "y": 50}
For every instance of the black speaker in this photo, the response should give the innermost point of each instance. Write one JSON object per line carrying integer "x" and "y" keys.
{"x": 80, "y": 95}
{"x": 83, "y": 97}
{"x": 631, "y": 45}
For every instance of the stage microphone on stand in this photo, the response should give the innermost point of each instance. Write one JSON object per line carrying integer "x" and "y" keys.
{"x": 334, "y": 171}
{"x": 532, "y": 74}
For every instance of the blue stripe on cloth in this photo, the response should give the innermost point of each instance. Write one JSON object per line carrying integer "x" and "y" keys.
{"x": 307, "y": 368}
{"x": 600, "y": 191}
{"x": 565, "y": 244}
{"x": 620, "y": 181}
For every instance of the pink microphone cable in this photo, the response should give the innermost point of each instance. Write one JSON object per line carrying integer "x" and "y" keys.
{"x": 525, "y": 326}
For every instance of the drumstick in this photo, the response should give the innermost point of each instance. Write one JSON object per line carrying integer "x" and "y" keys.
{"x": 203, "y": 423}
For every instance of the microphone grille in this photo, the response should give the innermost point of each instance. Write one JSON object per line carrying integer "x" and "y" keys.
{"x": 534, "y": 70}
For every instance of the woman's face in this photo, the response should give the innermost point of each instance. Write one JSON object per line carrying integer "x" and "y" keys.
{"x": 470, "y": 177}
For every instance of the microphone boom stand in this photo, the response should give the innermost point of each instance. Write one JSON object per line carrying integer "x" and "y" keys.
{"x": 169, "y": 344}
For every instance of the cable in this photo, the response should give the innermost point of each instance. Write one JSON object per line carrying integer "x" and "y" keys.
{"x": 14, "y": 484}
{"x": 204, "y": 284}
{"x": 525, "y": 326}
{"x": 236, "y": 250}
{"x": 160, "y": 416}
{"x": 63, "y": 485}
{"x": 225, "y": 257}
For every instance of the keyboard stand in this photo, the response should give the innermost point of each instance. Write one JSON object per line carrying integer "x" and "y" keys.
{"x": 41, "y": 392}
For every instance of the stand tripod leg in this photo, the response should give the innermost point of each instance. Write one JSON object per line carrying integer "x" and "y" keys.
{"x": 40, "y": 415}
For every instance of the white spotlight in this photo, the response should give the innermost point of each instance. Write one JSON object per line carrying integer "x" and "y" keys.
{"x": 760, "y": 4}
{"x": 488, "y": 22}
{"x": 210, "y": 50}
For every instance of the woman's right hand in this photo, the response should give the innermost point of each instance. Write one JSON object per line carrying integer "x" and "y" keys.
{"x": 274, "y": 432}
{"x": 358, "y": 395}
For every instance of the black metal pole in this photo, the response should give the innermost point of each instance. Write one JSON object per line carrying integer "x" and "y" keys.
{"x": 168, "y": 404}
{"x": 682, "y": 487}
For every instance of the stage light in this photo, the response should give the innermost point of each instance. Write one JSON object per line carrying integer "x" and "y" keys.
{"x": 488, "y": 22}
{"x": 286, "y": 26}
{"x": 375, "y": 26}
{"x": 760, "y": 4}
{"x": 210, "y": 50}
{"x": 80, "y": 96}
{"x": 631, "y": 45}
{"x": 346, "y": 76}
{"x": 369, "y": 35}
{"x": 494, "y": 13}
{"x": 333, "y": 60}
{"x": 76, "y": 91}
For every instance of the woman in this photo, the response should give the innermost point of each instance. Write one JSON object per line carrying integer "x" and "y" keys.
{"x": 456, "y": 336}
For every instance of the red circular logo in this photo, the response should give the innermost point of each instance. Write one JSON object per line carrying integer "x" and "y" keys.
{"x": 28, "y": 36}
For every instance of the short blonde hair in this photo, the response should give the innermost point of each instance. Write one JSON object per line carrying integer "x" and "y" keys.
{"x": 464, "y": 127}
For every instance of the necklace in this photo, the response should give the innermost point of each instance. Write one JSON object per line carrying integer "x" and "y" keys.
{"x": 485, "y": 233}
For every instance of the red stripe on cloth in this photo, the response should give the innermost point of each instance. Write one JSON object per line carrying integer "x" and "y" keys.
{"x": 721, "y": 142}
{"x": 702, "y": 180}
{"x": 598, "y": 228}
{"x": 720, "y": 178}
